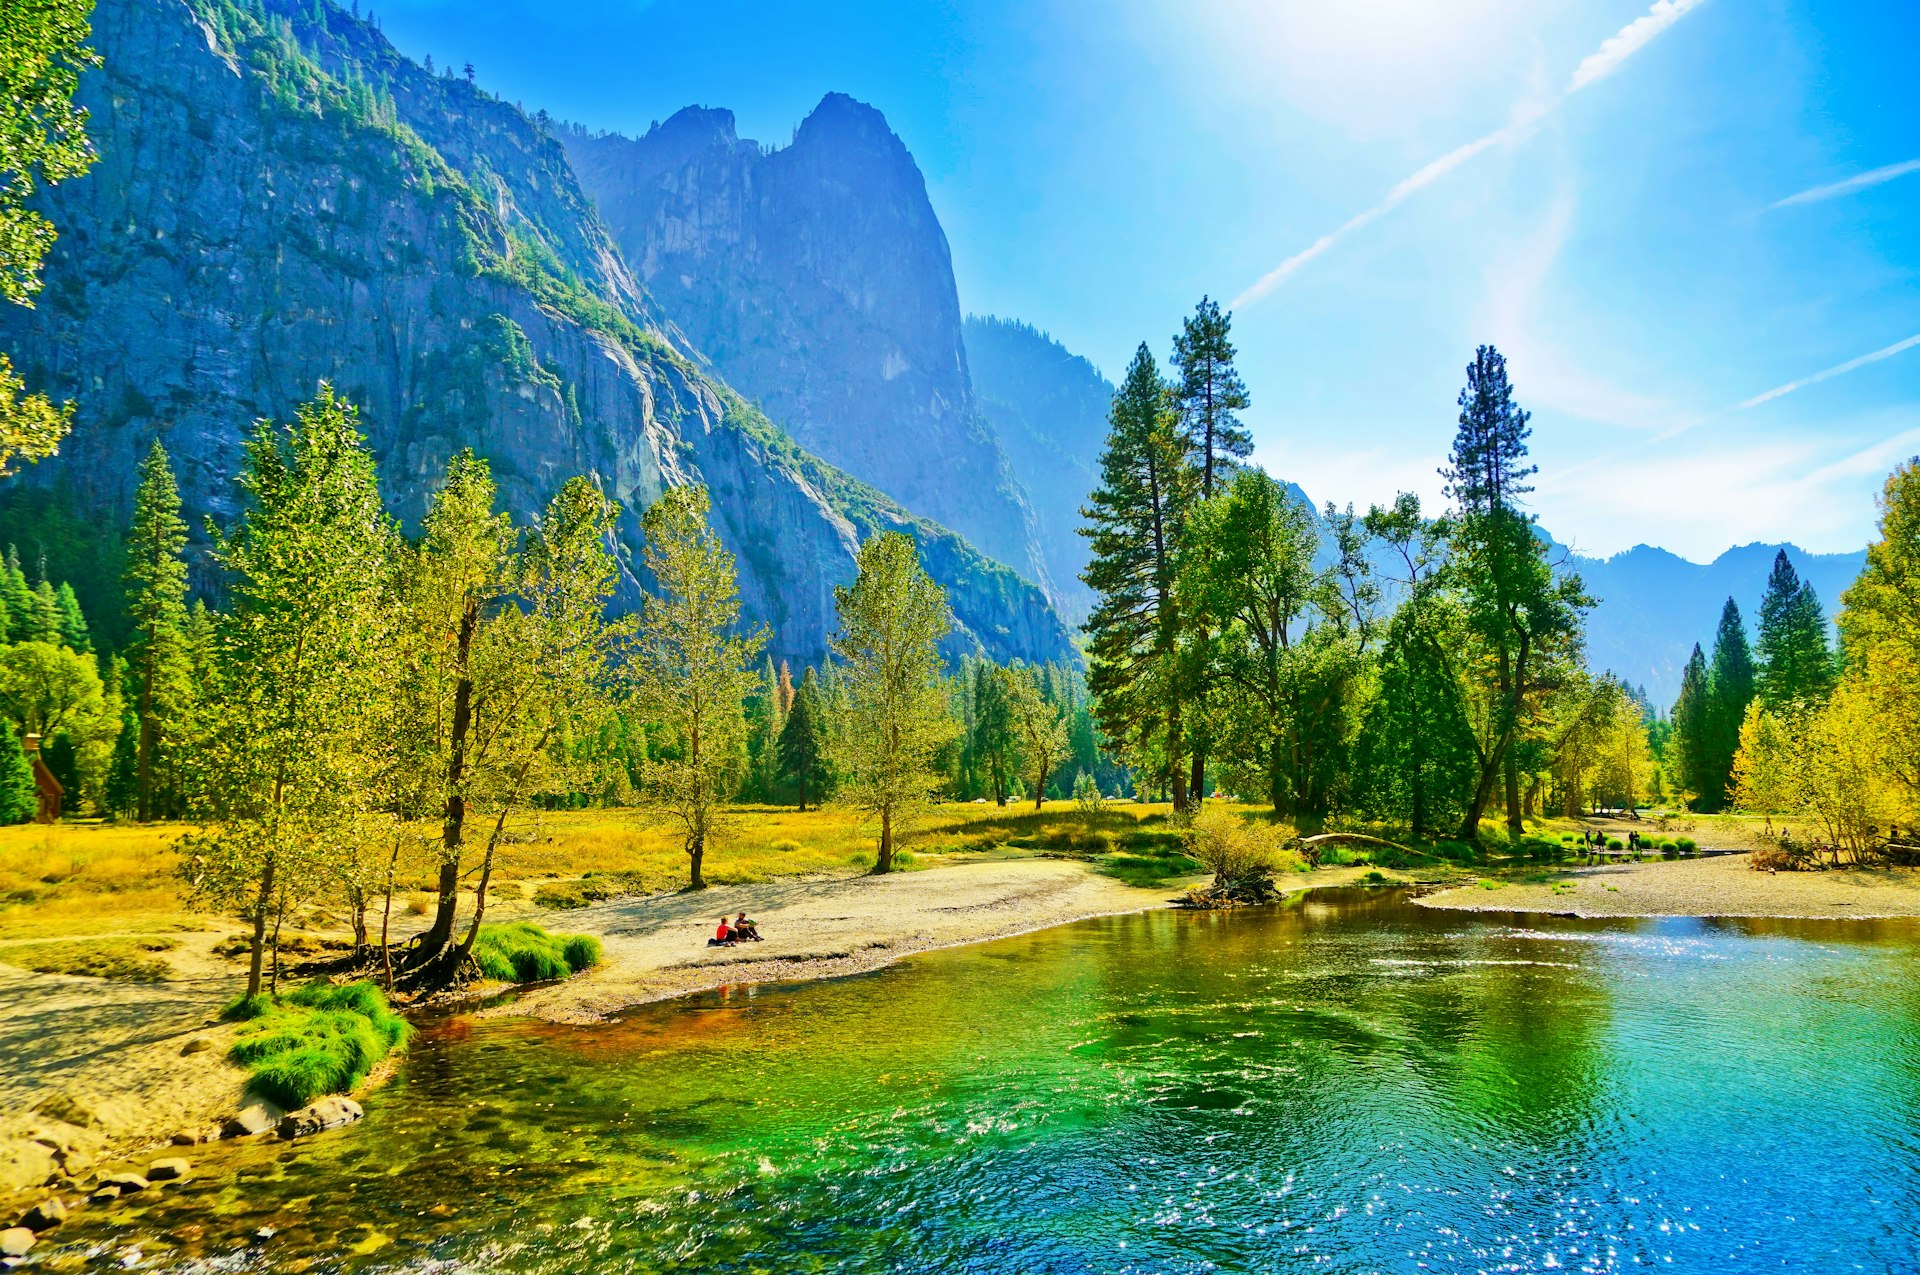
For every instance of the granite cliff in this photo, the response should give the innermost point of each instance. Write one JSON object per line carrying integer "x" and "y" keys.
{"x": 817, "y": 280}
{"x": 282, "y": 198}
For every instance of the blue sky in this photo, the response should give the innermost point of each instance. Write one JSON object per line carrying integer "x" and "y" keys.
{"x": 1673, "y": 217}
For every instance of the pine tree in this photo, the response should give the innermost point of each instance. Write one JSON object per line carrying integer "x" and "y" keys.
{"x": 766, "y": 717}
{"x": 1521, "y": 615}
{"x": 1211, "y": 394}
{"x": 19, "y": 795}
{"x": 1731, "y": 682}
{"x": 71, "y": 620}
{"x": 803, "y": 752}
{"x": 156, "y": 582}
{"x": 1135, "y": 524}
{"x": 17, "y": 594}
{"x": 1690, "y": 749}
{"x": 43, "y": 624}
{"x": 893, "y": 720}
{"x": 1796, "y": 657}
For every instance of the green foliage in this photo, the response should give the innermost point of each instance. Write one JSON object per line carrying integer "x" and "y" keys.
{"x": 804, "y": 742}
{"x": 522, "y": 952}
{"x": 692, "y": 670}
{"x": 891, "y": 720}
{"x": 1149, "y": 871}
{"x": 318, "y": 1040}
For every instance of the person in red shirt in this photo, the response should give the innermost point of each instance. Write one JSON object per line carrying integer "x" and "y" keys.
{"x": 722, "y": 937}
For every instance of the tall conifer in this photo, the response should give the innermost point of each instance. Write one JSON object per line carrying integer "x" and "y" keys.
{"x": 1135, "y": 521}
{"x": 1731, "y": 689}
{"x": 1796, "y": 655}
{"x": 156, "y": 580}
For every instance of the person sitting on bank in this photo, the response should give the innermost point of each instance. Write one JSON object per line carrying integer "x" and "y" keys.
{"x": 724, "y": 936}
{"x": 745, "y": 930}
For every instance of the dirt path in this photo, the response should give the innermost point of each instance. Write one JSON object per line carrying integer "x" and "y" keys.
{"x": 1718, "y": 886}
{"x": 94, "y": 1066}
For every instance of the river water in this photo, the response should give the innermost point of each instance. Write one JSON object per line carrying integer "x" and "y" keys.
{"x": 1347, "y": 1083}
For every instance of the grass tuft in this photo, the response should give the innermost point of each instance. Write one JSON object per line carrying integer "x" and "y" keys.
{"x": 522, "y": 952}
{"x": 320, "y": 1039}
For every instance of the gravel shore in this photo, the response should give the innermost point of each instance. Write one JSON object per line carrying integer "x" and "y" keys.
{"x": 1722, "y": 885}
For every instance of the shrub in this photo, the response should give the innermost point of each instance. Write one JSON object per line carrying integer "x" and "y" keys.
{"x": 1685, "y": 845}
{"x": 1614, "y": 843}
{"x": 1455, "y": 851}
{"x": 1242, "y": 855}
{"x": 522, "y": 952}
{"x": 785, "y": 847}
{"x": 320, "y": 1039}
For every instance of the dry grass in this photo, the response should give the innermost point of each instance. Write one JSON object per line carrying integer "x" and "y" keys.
{"x": 101, "y": 879}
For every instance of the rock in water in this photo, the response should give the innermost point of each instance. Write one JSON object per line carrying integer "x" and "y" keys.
{"x": 15, "y": 1241}
{"x": 330, "y": 1112}
{"x": 125, "y": 1183}
{"x": 249, "y": 1120}
{"x": 171, "y": 1169}
{"x": 45, "y": 1215}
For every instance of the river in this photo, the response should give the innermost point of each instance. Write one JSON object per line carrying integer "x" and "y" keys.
{"x": 1346, "y": 1083}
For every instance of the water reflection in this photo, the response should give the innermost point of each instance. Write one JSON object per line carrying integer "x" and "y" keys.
{"x": 1350, "y": 1084}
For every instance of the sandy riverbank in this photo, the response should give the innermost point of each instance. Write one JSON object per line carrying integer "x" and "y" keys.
{"x": 1719, "y": 886}
{"x": 824, "y": 927}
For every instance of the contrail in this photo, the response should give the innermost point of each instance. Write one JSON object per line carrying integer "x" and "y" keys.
{"x": 1617, "y": 48}
{"x": 1862, "y": 181}
{"x": 1839, "y": 370}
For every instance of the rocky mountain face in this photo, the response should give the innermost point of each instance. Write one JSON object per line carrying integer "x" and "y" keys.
{"x": 281, "y": 198}
{"x": 1049, "y": 408}
{"x": 817, "y": 280}
{"x": 1654, "y": 605}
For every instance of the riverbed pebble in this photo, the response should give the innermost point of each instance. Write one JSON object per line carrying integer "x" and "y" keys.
{"x": 45, "y": 1215}
{"x": 171, "y": 1169}
{"x": 15, "y": 1241}
{"x": 128, "y": 1183}
{"x": 330, "y": 1112}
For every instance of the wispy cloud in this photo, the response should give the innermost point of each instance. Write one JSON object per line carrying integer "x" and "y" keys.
{"x": 1840, "y": 369}
{"x": 1862, "y": 181}
{"x": 1622, "y": 45}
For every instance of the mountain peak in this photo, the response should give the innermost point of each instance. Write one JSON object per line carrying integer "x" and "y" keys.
{"x": 840, "y": 118}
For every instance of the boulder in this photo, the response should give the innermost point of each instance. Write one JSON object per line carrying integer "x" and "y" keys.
{"x": 104, "y": 1195}
{"x": 253, "y": 1118}
{"x": 330, "y": 1112}
{"x": 171, "y": 1169}
{"x": 15, "y": 1241}
{"x": 45, "y": 1215}
{"x": 128, "y": 1183}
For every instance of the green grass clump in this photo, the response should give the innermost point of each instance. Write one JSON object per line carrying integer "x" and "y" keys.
{"x": 1685, "y": 845}
{"x": 320, "y": 1039}
{"x": 1614, "y": 843}
{"x": 1455, "y": 851}
{"x": 522, "y": 952}
{"x": 1149, "y": 871}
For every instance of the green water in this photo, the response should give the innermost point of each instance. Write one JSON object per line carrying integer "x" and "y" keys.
{"x": 1351, "y": 1083}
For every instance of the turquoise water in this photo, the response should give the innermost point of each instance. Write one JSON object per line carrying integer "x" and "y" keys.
{"x": 1347, "y": 1084}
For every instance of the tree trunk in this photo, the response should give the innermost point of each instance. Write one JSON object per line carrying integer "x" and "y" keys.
{"x": 1276, "y": 775}
{"x": 1197, "y": 782}
{"x": 279, "y": 918}
{"x": 1516, "y": 813}
{"x": 696, "y": 852}
{"x": 454, "y": 827}
{"x": 357, "y": 899}
{"x": 884, "y": 863}
{"x": 1040, "y": 789}
{"x": 260, "y": 931}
